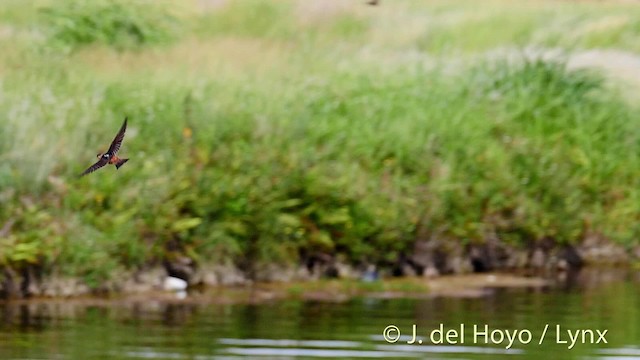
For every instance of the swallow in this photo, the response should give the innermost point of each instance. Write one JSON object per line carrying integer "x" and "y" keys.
{"x": 110, "y": 157}
{"x": 372, "y": 2}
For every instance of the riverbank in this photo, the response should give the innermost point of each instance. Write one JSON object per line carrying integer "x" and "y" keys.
{"x": 311, "y": 144}
{"x": 423, "y": 271}
{"x": 340, "y": 290}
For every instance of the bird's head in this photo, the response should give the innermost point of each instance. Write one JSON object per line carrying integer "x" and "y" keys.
{"x": 104, "y": 155}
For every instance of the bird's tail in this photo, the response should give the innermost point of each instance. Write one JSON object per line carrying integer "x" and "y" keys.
{"x": 121, "y": 162}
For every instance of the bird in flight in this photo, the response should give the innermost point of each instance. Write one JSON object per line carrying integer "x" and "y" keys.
{"x": 110, "y": 157}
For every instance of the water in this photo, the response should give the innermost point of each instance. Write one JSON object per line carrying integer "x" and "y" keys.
{"x": 353, "y": 329}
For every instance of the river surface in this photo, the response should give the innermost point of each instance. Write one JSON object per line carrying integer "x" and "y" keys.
{"x": 347, "y": 329}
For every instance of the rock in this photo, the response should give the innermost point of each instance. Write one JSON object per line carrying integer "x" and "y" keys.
{"x": 230, "y": 275}
{"x": 174, "y": 284}
{"x": 403, "y": 267}
{"x": 452, "y": 259}
{"x": 517, "y": 259}
{"x": 205, "y": 275}
{"x": 30, "y": 282}
{"x": 340, "y": 268}
{"x": 281, "y": 273}
{"x": 596, "y": 249}
{"x": 459, "y": 264}
{"x": 423, "y": 254}
{"x": 345, "y": 271}
{"x": 538, "y": 258}
{"x": 64, "y": 287}
{"x": 431, "y": 272}
{"x": 318, "y": 264}
{"x": 408, "y": 270}
{"x": 569, "y": 258}
{"x": 146, "y": 280}
{"x": 547, "y": 255}
{"x": 141, "y": 280}
{"x": 433, "y": 252}
{"x": 562, "y": 265}
{"x": 9, "y": 288}
{"x": 482, "y": 258}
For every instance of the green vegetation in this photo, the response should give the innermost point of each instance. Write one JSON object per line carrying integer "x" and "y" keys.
{"x": 121, "y": 24}
{"x": 260, "y": 131}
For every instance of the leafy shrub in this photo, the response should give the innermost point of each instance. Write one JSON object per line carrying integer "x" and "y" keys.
{"x": 116, "y": 23}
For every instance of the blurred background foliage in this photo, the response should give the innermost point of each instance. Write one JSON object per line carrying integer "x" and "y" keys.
{"x": 115, "y": 23}
{"x": 265, "y": 131}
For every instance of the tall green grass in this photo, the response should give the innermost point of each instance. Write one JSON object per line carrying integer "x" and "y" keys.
{"x": 312, "y": 148}
{"x": 121, "y": 24}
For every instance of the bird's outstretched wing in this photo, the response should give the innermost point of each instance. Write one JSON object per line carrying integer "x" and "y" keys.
{"x": 102, "y": 162}
{"x": 117, "y": 141}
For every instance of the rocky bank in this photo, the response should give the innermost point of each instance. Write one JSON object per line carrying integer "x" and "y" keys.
{"x": 430, "y": 257}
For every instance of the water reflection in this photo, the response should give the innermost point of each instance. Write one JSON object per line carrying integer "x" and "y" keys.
{"x": 178, "y": 314}
{"x": 25, "y": 317}
{"x": 317, "y": 329}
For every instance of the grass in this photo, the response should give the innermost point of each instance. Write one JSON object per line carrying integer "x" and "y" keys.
{"x": 115, "y": 23}
{"x": 259, "y": 137}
